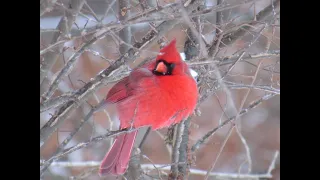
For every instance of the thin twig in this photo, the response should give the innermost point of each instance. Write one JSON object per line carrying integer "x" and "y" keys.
{"x": 71, "y": 135}
{"x": 69, "y": 66}
{"x": 233, "y": 64}
{"x": 213, "y": 174}
{"x": 237, "y": 126}
{"x": 125, "y": 33}
{"x": 43, "y": 51}
{"x": 64, "y": 27}
{"x": 92, "y": 12}
{"x": 270, "y": 89}
{"x": 169, "y": 147}
{"x": 164, "y": 167}
{"x": 104, "y": 77}
{"x": 46, "y": 6}
{"x": 144, "y": 17}
{"x": 241, "y": 32}
{"x": 273, "y": 162}
{"x": 219, "y": 153}
{"x": 82, "y": 145}
{"x": 222, "y": 61}
{"x": 55, "y": 102}
{"x": 107, "y": 9}
{"x": 242, "y": 112}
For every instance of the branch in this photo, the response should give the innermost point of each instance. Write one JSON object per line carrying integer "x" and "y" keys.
{"x": 219, "y": 153}
{"x": 233, "y": 85}
{"x": 82, "y": 145}
{"x": 167, "y": 168}
{"x": 219, "y": 78}
{"x": 237, "y": 127}
{"x": 216, "y": 71}
{"x": 183, "y": 165}
{"x": 55, "y": 102}
{"x": 145, "y": 16}
{"x": 242, "y": 112}
{"x": 71, "y": 135}
{"x": 105, "y": 77}
{"x": 70, "y": 64}
{"x": 175, "y": 151}
{"x": 46, "y": 6}
{"x": 75, "y": 164}
{"x": 108, "y": 9}
{"x": 214, "y": 174}
{"x": 273, "y": 162}
{"x": 43, "y": 51}
{"x": 82, "y": 122}
{"x": 64, "y": 27}
{"x": 238, "y": 131}
{"x": 241, "y": 32}
{"x": 125, "y": 33}
{"x": 91, "y": 11}
{"x": 222, "y": 61}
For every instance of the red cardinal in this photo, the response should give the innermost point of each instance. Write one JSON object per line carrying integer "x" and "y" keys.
{"x": 158, "y": 94}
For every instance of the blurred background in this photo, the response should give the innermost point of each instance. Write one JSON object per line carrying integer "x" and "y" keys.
{"x": 250, "y": 80}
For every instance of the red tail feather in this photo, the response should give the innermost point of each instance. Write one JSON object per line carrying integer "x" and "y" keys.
{"x": 116, "y": 160}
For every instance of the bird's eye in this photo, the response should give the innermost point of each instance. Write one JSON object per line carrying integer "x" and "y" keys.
{"x": 162, "y": 67}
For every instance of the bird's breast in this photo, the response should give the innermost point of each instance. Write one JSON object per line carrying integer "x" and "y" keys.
{"x": 158, "y": 102}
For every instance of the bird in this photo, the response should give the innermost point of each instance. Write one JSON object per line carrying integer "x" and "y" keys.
{"x": 158, "y": 94}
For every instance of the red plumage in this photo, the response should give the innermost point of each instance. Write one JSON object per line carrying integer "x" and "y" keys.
{"x": 147, "y": 98}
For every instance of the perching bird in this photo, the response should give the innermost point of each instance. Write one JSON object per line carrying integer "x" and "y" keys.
{"x": 158, "y": 94}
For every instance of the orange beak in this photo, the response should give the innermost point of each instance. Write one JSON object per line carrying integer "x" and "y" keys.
{"x": 161, "y": 68}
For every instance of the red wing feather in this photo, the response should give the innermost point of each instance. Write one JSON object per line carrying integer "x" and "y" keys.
{"x": 119, "y": 91}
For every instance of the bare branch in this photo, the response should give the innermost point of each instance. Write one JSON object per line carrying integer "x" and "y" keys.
{"x": 232, "y": 37}
{"x": 125, "y": 33}
{"x": 55, "y": 102}
{"x": 104, "y": 77}
{"x": 144, "y": 17}
{"x": 46, "y": 6}
{"x": 237, "y": 126}
{"x": 212, "y": 174}
{"x": 69, "y": 66}
{"x": 175, "y": 151}
{"x": 242, "y": 112}
{"x": 92, "y": 12}
{"x": 229, "y": 60}
{"x": 108, "y": 9}
{"x": 43, "y": 51}
{"x": 233, "y": 85}
{"x": 76, "y": 164}
{"x": 183, "y": 150}
{"x": 71, "y": 135}
{"x": 64, "y": 27}
{"x": 246, "y": 146}
{"x": 80, "y": 146}
{"x": 233, "y": 64}
{"x": 273, "y": 162}
{"x": 163, "y": 167}
{"x": 219, "y": 153}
